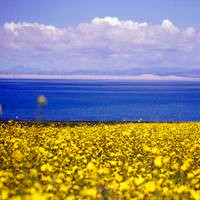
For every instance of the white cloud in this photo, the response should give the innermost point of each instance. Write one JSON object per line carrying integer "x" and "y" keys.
{"x": 113, "y": 21}
{"x": 107, "y": 42}
{"x": 169, "y": 26}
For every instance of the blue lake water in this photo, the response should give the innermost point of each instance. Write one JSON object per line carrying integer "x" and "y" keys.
{"x": 101, "y": 100}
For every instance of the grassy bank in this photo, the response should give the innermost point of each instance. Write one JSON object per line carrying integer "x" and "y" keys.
{"x": 99, "y": 161}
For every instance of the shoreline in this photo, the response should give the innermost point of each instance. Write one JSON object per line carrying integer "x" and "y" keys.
{"x": 77, "y": 123}
{"x": 143, "y": 77}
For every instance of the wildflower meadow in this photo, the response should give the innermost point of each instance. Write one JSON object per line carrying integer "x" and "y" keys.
{"x": 99, "y": 161}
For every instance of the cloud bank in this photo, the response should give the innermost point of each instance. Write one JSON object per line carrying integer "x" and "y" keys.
{"x": 104, "y": 45}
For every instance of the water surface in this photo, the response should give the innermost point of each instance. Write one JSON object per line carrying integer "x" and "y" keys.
{"x": 101, "y": 100}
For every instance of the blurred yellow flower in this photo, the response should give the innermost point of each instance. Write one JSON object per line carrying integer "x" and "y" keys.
{"x": 17, "y": 155}
{"x": 150, "y": 186}
{"x": 139, "y": 180}
{"x": 33, "y": 172}
{"x": 42, "y": 100}
{"x": 4, "y": 193}
{"x": 158, "y": 161}
{"x": 91, "y": 166}
{"x": 91, "y": 192}
{"x": 46, "y": 168}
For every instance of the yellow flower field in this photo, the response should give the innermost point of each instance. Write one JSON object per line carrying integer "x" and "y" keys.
{"x": 99, "y": 161}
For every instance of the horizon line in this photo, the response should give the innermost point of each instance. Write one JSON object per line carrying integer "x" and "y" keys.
{"x": 143, "y": 77}
{"x": 148, "y": 77}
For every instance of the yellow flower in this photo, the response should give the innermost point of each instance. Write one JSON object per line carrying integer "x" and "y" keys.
{"x": 125, "y": 186}
{"x": 64, "y": 188}
{"x": 150, "y": 186}
{"x": 91, "y": 192}
{"x": 19, "y": 176}
{"x": 42, "y": 100}
{"x": 59, "y": 181}
{"x": 17, "y": 155}
{"x": 91, "y": 166}
{"x": 195, "y": 194}
{"x": 118, "y": 178}
{"x": 16, "y": 198}
{"x": 33, "y": 172}
{"x": 181, "y": 189}
{"x": 190, "y": 175}
{"x": 158, "y": 161}
{"x": 186, "y": 165}
{"x": 155, "y": 150}
{"x": 114, "y": 186}
{"x": 49, "y": 188}
{"x": 46, "y": 168}
{"x": 103, "y": 170}
{"x": 70, "y": 197}
{"x": 139, "y": 180}
{"x": 147, "y": 148}
{"x": 167, "y": 191}
{"x": 46, "y": 179}
{"x": 36, "y": 196}
{"x": 4, "y": 193}
{"x": 113, "y": 162}
{"x": 126, "y": 133}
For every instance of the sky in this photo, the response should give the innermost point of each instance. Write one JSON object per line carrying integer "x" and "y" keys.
{"x": 100, "y": 37}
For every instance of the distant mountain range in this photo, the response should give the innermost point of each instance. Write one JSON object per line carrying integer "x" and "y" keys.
{"x": 160, "y": 71}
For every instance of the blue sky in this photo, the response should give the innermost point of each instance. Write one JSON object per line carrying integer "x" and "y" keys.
{"x": 100, "y": 37}
{"x": 64, "y": 13}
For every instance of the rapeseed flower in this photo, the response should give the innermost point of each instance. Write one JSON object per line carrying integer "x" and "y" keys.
{"x": 158, "y": 161}
{"x": 150, "y": 186}
{"x": 102, "y": 161}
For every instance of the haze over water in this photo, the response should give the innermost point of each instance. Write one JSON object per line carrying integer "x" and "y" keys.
{"x": 85, "y": 100}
